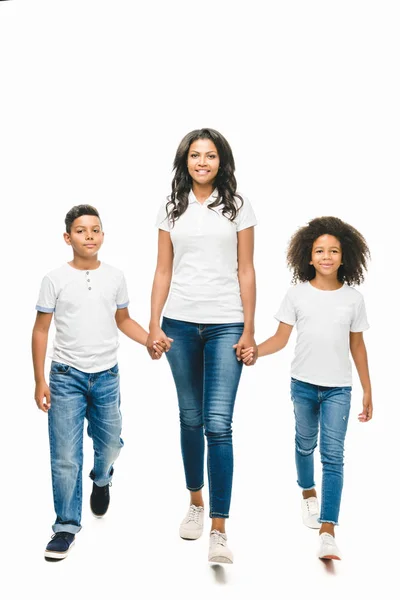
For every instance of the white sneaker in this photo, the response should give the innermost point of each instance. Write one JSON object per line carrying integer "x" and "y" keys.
{"x": 192, "y": 525}
{"x": 328, "y": 548}
{"x": 219, "y": 551}
{"x": 310, "y": 512}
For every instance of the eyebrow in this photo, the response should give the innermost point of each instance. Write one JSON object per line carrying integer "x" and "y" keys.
{"x": 329, "y": 247}
{"x": 84, "y": 226}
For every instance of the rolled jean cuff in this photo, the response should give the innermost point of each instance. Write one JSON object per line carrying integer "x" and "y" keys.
{"x": 306, "y": 489}
{"x": 102, "y": 482}
{"x": 327, "y": 521}
{"x": 214, "y": 515}
{"x": 196, "y": 489}
{"x": 57, "y": 527}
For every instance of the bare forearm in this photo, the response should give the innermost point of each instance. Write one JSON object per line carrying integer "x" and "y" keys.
{"x": 134, "y": 331}
{"x": 359, "y": 354}
{"x": 271, "y": 345}
{"x": 247, "y": 283}
{"x": 39, "y": 347}
{"x": 159, "y": 295}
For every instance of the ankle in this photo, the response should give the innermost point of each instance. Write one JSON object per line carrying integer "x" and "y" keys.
{"x": 327, "y": 528}
{"x": 309, "y": 494}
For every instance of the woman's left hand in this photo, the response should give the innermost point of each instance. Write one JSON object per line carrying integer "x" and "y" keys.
{"x": 248, "y": 343}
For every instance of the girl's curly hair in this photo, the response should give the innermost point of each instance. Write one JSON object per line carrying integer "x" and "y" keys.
{"x": 355, "y": 251}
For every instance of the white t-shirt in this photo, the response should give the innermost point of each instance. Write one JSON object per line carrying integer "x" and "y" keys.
{"x": 205, "y": 285}
{"x": 324, "y": 320}
{"x": 84, "y": 305}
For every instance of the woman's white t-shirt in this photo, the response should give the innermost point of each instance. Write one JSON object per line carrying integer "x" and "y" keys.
{"x": 205, "y": 285}
{"x": 324, "y": 320}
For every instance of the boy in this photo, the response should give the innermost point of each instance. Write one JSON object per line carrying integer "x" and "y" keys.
{"x": 89, "y": 300}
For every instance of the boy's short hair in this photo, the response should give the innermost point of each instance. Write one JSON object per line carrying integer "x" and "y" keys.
{"x": 79, "y": 211}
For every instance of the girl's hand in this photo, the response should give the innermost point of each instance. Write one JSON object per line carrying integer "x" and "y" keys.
{"x": 246, "y": 349}
{"x": 42, "y": 396}
{"x": 366, "y": 414}
{"x": 157, "y": 343}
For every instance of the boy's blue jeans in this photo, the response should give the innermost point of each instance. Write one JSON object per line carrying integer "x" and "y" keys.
{"x": 206, "y": 373}
{"x": 74, "y": 396}
{"x": 327, "y": 409}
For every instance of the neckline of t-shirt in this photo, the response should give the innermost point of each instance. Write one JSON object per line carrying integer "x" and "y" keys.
{"x": 319, "y": 290}
{"x": 211, "y": 198}
{"x": 85, "y": 270}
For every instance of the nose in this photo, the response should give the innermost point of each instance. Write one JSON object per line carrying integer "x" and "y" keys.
{"x": 89, "y": 236}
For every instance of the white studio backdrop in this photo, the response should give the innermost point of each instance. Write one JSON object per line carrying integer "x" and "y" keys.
{"x": 95, "y": 98}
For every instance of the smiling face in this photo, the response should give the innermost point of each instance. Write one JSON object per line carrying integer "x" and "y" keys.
{"x": 326, "y": 255}
{"x": 203, "y": 162}
{"x": 86, "y": 237}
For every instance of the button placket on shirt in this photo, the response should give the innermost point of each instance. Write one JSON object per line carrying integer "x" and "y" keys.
{"x": 87, "y": 275}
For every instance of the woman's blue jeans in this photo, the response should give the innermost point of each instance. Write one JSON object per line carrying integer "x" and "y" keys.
{"x": 327, "y": 409}
{"x": 206, "y": 374}
{"x": 74, "y": 396}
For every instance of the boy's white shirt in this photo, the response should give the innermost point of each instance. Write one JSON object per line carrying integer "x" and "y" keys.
{"x": 205, "y": 285}
{"x": 324, "y": 320}
{"x": 84, "y": 304}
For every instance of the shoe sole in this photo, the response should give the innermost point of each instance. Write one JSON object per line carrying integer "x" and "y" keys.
{"x": 330, "y": 557}
{"x": 190, "y": 536}
{"x": 98, "y": 516}
{"x": 58, "y": 555}
{"x": 221, "y": 559}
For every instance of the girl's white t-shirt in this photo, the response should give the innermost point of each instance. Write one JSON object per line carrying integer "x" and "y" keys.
{"x": 205, "y": 285}
{"x": 324, "y": 320}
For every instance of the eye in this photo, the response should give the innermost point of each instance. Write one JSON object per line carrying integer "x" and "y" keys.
{"x": 318, "y": 251}
{"x": 193, "y": 155}
{"x": 212, "y": 156}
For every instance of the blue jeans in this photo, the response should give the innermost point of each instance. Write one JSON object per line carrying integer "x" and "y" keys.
{"x": 74, "y": 396}
{"x": 326, "y": 408}
{"x": 206, "y": 374}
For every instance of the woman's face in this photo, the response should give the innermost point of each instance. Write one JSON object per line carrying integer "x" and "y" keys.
{"x": 203, "y": 161}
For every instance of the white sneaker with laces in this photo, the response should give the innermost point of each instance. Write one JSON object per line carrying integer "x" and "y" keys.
{"x": 310, "y": 512}
{"x": 219, "y": 551}
{"x": 192, "y": 525}
{"x": 328, "y": 548}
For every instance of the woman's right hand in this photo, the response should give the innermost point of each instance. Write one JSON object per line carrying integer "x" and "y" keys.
{"x": 157, "y": 339}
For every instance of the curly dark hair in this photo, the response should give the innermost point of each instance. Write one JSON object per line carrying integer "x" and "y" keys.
{"x": 225, "y": 181}
{"x": 355, "y": 251}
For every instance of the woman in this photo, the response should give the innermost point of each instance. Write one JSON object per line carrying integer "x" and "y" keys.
{"x": 206, "y": 239}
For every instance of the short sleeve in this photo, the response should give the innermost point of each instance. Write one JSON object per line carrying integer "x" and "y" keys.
{"x": 122, "y": 294}
{"x": 359, "y": 322}
{"x": 47, "y": 296}
{"x": 245, "y": 217}
{"x": 162, "y": 221}
{"x": 287, "y": 312}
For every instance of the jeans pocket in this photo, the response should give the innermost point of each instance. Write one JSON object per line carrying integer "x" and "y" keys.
{"x": 59, "y": 368}
{"x": 114, "y": 370}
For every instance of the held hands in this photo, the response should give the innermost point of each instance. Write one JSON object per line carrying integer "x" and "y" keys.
{"x": 366, "y": 414}
{"x": 157, "y": 343}
{"x": 247, "y": 350}
{"x": 42, "y": 396}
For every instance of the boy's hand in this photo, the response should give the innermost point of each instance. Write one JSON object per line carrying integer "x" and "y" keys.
{"x": 42, "y": 396}
{"x": 157, "y": 350}
{"x": 366, "y": 414}
{"x": 157, "y": 343}
{"x": 246, "y": 350}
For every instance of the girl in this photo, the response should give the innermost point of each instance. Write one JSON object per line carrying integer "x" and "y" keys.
{"x": 206, "y": 238}
{"x": 327, "y": 256}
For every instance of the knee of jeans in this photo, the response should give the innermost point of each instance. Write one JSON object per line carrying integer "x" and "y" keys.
{"x": 331, "y": 456}
{"x": 218, "y": 427}
{"x": 305, "y": 447}
{"x": 191, "y": 419}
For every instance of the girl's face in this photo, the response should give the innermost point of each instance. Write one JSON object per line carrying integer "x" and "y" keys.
{"x": 326, "y": 255}
{"x": 203, "y": 162}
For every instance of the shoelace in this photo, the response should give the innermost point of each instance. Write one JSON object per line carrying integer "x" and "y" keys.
{"x": 194, "y": 514}
{"x": 61, "y": 534}
{"x": 312, "y": 506}
{"x": 218, "y": 537}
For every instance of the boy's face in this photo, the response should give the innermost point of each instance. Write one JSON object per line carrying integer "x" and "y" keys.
{"x": 86, "y": 237}
{"x": 326, "y": 255}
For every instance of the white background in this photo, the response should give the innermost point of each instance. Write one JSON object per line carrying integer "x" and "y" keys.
{"x": 95, "y": 97}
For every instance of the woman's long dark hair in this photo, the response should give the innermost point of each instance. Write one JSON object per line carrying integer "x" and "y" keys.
{"x": 225, "y": 182}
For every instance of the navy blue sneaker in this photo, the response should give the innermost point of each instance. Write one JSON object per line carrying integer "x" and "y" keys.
{"x": 59, "y": 545}
{"x": 100, "y": 500}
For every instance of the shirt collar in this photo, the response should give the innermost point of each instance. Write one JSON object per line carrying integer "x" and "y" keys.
{"x": 210, "y": 199}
